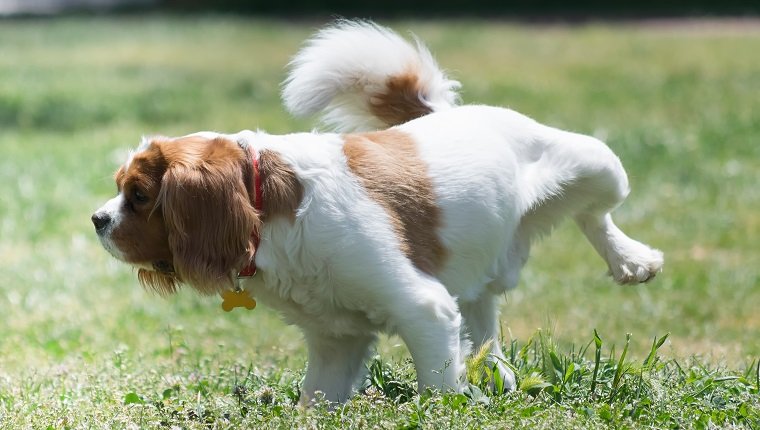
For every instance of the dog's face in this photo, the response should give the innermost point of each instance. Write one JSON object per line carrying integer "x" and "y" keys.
{"x": 182, "y": 213}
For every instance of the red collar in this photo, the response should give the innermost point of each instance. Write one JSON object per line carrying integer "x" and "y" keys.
{"x": 258, "y": 203}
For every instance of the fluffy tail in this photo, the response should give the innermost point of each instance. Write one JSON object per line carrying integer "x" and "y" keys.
{"x": 365, "y": 77}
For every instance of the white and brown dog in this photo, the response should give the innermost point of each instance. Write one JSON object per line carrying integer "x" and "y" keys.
{"x": 414, "y": 229}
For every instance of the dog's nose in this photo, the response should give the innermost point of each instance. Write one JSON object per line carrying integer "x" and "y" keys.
{"x": 101, "y": 221}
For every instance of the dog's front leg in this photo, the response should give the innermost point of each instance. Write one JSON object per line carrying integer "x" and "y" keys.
{"x": 334, "y": 365}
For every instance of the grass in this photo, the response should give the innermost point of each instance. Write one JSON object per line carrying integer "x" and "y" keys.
{"x": 82, "y": 346}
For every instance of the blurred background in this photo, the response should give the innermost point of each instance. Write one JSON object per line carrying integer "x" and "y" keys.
{"x": 525, "y": 9}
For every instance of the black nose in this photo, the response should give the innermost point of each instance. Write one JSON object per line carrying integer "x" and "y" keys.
{"x": 101, "y": 220}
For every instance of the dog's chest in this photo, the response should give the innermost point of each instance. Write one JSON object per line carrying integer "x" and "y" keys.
{"x": 312, "y": 306}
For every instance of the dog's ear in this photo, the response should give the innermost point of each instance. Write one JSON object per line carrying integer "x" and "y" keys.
{"x": 209, "y": 217}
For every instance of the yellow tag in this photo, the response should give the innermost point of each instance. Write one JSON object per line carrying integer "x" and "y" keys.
{"x": 237, "y": 299}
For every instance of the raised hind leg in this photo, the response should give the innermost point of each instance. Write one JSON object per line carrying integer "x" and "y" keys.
{"x": 629, "y": 261}
{"x": 580, "y": 176}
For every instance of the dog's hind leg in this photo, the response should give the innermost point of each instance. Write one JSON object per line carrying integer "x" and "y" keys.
{"x": 580, "y": 176}
{"x": 629, "y": 261}
{"x": 604, "y": 187}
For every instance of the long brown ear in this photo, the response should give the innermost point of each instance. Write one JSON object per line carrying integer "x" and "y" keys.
{"x": 209, "y": 220}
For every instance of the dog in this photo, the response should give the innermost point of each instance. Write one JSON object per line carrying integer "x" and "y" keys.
{"x": 412, "y": 217}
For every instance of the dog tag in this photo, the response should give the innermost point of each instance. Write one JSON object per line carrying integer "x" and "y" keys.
{"x": 237, "y": 299}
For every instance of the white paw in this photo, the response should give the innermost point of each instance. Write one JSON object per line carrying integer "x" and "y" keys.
{"x": 635, "y": 263}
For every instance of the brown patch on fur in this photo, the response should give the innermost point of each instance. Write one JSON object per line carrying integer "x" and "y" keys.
{"x": 401, "y": 102}
{"x": 281, "y": 191}
{"x": 389, "y": 168}
{"x": 207, "y": 210}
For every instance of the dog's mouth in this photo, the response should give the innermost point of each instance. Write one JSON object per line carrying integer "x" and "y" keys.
{"x": 111, "y": 248}
{"x": 163, "y": 267}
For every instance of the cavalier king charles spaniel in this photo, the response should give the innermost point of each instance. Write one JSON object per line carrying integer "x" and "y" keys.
{"x": 412, "y": 217}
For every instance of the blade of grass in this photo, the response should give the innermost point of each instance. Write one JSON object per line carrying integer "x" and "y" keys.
{"x": 476, "y": 364}
{"x": 597, "y": 359}
{"x": 656, "y": 344}
{"x": 498, "y": 379}
{"x": 619, "y": 370}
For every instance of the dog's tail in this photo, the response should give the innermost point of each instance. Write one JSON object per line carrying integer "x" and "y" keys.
{"x": 365, "y": 77}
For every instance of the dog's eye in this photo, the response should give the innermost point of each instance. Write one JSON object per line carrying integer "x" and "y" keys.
{"x": 139, "y": 196}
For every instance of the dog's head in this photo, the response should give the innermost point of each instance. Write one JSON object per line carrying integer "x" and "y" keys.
{"x": 183, "y": 213}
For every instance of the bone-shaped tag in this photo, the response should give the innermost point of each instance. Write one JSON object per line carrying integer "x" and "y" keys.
{"x": 237, "y": 299}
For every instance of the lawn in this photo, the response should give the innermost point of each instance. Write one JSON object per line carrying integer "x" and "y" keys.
{"x": 83, "y": 346}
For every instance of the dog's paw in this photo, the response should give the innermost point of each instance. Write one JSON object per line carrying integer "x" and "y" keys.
{"x": 635, "y": 263}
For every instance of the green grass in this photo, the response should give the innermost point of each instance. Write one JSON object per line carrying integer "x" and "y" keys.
{"x": 82, "y": 346}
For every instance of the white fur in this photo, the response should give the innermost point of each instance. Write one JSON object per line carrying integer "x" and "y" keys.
{"x": 113, "y": 209}
{"x": 343, "y": 66}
